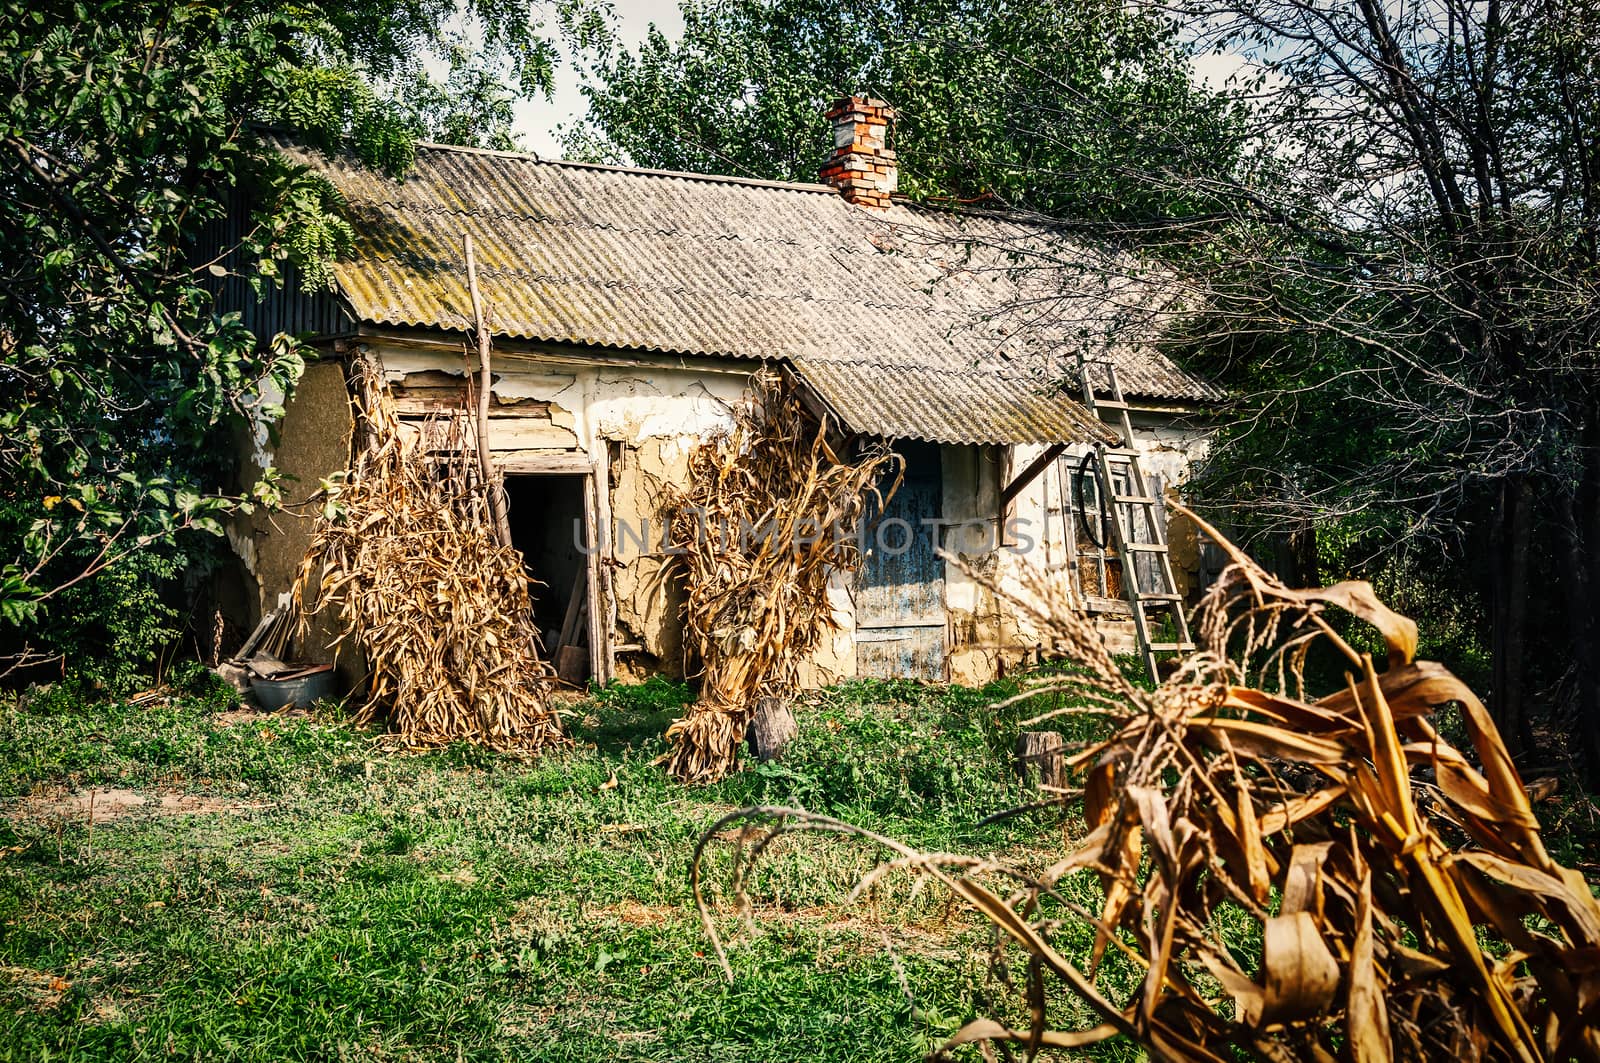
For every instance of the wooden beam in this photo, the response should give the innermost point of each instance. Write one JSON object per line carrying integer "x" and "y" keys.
{"x": 1030, "y": 474}
{"x": 818, "y": 407}
{"x": 492, "y": 489}
{"x": 525, "y": 462}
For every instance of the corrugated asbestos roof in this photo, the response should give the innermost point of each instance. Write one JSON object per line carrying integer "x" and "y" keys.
{"x": 984, "y": 407}
{"x": 911, "y": 323}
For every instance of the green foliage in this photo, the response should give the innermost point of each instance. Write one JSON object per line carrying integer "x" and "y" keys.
{"x": 656, "y": 694}
{"x": 906, "y": 760}
{"x": 68, "y": 732}
{"x": 334, "y": 899}
{"x": 116, "y": 627}
{"x": 1402, "y": 292}
{"x": 1029, "y": 102}
{"x": 126, "y": 137}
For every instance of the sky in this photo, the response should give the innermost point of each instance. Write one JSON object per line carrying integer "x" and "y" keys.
{"x": 536, "y": 120}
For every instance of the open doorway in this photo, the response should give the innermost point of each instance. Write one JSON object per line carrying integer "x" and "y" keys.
{"x": 549, "y": 525}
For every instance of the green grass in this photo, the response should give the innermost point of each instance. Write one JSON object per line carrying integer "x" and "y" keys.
{"x": 336, "y": 901}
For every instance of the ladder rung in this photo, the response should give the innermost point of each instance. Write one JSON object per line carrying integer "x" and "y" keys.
{"x": 1152, "y": 596}
{"x": 1148, "y": 548}
{"x": 1121, "y": 452}
{"x": 1137, "y": 500}
{"x": 1111, "y": 404}
{"x": 1163, "y": 647}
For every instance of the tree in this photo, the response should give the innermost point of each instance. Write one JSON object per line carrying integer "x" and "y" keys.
{"x": 125, "y": 129}
{"x": 1411, "y": 262}
{"x": 1026, "y": 103}
{"x": 1398, "y": 274}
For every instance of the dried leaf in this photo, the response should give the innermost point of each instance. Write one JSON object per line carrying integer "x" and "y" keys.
{"x": 1302, "y": 974}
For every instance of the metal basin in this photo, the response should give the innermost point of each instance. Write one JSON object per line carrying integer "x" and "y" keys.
{"x": 301, "y": 690}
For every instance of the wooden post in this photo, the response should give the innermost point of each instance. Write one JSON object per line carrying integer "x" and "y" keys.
{"x": 770, "y": 729}
{"x": 1042, "y": 750}
{"x": 491, "y": 484}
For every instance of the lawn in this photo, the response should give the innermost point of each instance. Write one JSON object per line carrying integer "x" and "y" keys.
{"x": 251, "y": 887}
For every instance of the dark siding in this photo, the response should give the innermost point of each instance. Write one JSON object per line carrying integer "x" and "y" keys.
{"x": 279, "y": 308}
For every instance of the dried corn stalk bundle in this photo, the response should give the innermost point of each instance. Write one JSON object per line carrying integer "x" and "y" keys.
{"x": 1404, "y": 902}
{"x": 770, "y": 512}
{"x": 407, "y": 555}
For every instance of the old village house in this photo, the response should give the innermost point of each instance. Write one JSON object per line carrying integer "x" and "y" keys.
{"x": 629, "y": 308}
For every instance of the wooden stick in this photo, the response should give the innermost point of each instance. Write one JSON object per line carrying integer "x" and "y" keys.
{"x": 491, "y": 485}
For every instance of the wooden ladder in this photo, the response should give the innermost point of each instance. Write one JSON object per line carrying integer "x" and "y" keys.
{"x": 1136, "y": 524}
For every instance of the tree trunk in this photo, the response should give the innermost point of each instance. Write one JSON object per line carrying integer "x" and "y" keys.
{"x": 770, "y": 729}
{"x": 1581, "y": 584}
{"x": 1508, "y": 641}
{"x": 1041, "y": 752}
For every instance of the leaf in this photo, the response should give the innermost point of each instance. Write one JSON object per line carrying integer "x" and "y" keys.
{"x": 1367, "y": 1021}
{"x": 989, "y": 1030}
{"x": 1302, "y": 885}
{"x": 1262, "y": 739}
{"x": 1301, "y": 975}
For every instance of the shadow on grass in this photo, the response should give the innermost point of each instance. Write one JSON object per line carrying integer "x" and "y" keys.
{"x": 627, "y": 717}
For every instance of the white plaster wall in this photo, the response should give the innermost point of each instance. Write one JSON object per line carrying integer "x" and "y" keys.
{"x": 662, "y": 412}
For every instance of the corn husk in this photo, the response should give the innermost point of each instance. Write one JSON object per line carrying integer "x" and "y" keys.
{"x": 1288, "y": 878}
{"x": 406, "y": 556}
{"x": 757, "y": 603}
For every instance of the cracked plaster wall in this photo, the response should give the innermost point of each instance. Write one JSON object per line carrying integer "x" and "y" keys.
{"x": 313, "y": 442}
{"x": 1166, "y": 449}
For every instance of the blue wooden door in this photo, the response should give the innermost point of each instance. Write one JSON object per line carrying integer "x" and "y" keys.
{"x": 900, "y": 615}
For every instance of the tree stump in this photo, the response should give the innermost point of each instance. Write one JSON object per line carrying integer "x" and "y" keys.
{"x": 1041, "y": 752}
{"x": 770, "y": 729}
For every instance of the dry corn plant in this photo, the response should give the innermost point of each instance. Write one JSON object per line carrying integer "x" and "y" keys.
{"x": 769, "y": 514}
{"x": 1396, "y": 890}
{"x": 407, "y": 555}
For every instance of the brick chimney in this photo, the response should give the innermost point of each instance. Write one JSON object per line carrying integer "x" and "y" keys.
{"x": 862, "y": 166}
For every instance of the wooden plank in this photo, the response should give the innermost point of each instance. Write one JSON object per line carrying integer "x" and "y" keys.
{"x": 569, "y": 623}
{"x": 919, "y": 654}
{"x": 900, "y": 611}
{"x": 892, "y": 623}
{"x": 433, "y": 391}
{"x": 1041, "y": 756}
{"x": 895, "y": 632}
{"x": 1031, "y": 473}
{"x": 901, "y": 577}
{"x": 600, "y": 563}
{"x": 489, "y": 478}
{"x": 268, "y": 618}
{"x": 596, "y": 617}
{"x": 505, "y": 433}
{"x": 544, "y": 461}
{"x": 1153, "y": 569}
{"x": 819, "y": 408}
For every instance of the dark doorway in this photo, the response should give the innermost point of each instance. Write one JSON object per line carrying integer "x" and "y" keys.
{"x": 546, "y": 514}
{"x": 900, "y": 615}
